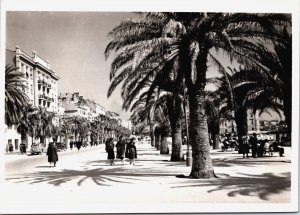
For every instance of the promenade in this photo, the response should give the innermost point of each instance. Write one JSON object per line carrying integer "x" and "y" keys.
{"x": 83, "y": 181}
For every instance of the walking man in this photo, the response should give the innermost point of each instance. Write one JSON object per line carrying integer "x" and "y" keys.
{"x": 253, "y": 143}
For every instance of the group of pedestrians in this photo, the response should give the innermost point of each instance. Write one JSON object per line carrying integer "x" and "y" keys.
{"x": 125, "y": 149}
{"x": 258, "y": 149}
{"x": 77, "y": 144}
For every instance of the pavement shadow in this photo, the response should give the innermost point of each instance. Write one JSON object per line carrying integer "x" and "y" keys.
{"x": 100, "y": 176}
{"x": 262, "y": 186}
{"x": 249, "y": 162}
{"x": 43, "y": 166}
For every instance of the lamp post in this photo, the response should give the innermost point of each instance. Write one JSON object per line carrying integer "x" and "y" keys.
{"x": 188, "y": 153}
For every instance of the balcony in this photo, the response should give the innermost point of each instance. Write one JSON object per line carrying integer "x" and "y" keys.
{"x": 41, "y": 96}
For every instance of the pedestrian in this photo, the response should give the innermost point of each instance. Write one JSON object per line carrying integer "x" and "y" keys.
{"x": 52, "y": 154}
{"x": 277, "y": 148}
{"x": 121, "y": 149}
{"x": 131, "y": 151}
{"x": 11, "y": 148}
{"x": 253, "y": 143}
{"x": 109, "y": 147}
{"x": 245, "y": 148}
{"x": 71, "y": 145}
{"x": 78, "y": 145}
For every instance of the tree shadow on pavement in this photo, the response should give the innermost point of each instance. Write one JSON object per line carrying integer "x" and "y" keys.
{"x": 225, "y": 162}
{"x": 100, "y": 176}
{"x": 248, "y": 185}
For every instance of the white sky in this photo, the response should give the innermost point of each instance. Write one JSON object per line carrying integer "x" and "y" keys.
{"x": 74, "y": 43}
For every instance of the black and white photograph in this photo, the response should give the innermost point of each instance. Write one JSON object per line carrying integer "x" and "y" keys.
{"x": 147, "y": 107}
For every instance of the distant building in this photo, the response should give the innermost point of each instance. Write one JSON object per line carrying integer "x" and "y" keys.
{"x": 41, "y": 82}
{"x": 127, "y": 124}
{"x": 75, "y": 105}
{"x": 229, "y": 125}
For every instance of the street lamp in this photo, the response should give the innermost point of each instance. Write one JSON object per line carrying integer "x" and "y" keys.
{"x": 188, "y": 153}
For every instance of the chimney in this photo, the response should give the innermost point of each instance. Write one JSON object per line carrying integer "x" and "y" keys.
{"x": 48, "y": 64}
{"x": 34, "y": 55}
{"x": 18, "y": 50}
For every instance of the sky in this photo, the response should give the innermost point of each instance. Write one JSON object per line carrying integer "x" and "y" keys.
{"x": 74, "y": 43}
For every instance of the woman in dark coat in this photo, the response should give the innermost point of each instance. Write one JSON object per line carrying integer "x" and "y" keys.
{"x": 121, "y": 149}
{"x": 131, "y": 151}
{"x": 109, "y": 147}
{"x": 52, "y": 154}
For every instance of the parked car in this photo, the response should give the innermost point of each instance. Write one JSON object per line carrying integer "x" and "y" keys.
{"x": 36, "y": 149}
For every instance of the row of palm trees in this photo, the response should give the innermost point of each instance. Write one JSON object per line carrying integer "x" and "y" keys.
{"x": 36, "y": 122}
{"x": 160, "y": 57}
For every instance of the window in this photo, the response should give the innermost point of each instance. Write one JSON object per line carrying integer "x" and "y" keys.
{"x": 16, "y": 144}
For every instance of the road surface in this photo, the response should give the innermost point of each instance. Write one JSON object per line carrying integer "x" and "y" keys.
{"x": 83, "y": 181}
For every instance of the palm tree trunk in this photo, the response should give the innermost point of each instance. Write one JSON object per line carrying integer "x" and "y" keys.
{"x": 202, "y": 164}
{"x": 287, "y": 110}
{"x": 216, "y": 141}
{"x": 241, "y": 125}
{"x": 174, "y": 108}
{"x": 152, "y": 134}
{"x": 177, "y": 153}
{"x": 157, "y": 141}
{"x": 102, "y": 135}
{"x": 164, "y": 145}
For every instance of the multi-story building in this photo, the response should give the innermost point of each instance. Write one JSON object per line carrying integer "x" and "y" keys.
{"x": 41, "y": 82}
{"x": 229, "y": 125}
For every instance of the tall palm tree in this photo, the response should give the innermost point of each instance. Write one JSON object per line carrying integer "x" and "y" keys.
{"x": 244, "y": 90}
{"x": 15, "y": 96}
{"x": 145, "y": 52}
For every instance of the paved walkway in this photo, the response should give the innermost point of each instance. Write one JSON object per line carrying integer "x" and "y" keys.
{"x": 85, "y": 182}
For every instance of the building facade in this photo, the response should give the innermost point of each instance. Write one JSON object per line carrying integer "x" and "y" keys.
{"x": 41, "y": 82}
{"x": 229, "y": 125}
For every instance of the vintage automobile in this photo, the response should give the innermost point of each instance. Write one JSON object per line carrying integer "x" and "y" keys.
{"x": 36, "y": 149}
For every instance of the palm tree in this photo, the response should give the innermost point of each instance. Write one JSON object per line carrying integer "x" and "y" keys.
{"x": 156, "y": 109}
{"x": 65, "y": 128}
{"x": 146, "y": 52}
{"x": 244, "y": 90}
{"x": 15, "y": 96}
{"x": 46, "y": 125}
{"x": 34, "y": 124}
{"x": 24, "y": 124}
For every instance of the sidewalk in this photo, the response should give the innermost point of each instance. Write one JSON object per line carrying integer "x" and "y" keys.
{"x": 86, "y": 182}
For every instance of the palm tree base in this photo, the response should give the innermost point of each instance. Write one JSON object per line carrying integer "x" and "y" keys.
{"x": 177, "y": 158}
{"x": 202, "y": 174}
